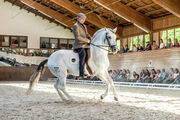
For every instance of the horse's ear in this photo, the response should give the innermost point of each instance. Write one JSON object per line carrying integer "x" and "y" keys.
{"x": 114, "y": 30}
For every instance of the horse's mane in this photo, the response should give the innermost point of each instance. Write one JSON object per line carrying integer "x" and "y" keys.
{"x": 98, "y": 32}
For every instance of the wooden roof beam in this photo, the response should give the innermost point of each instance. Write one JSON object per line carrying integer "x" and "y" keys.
{"x": 53, "y": 14}
{"x": 92, "y": 18}
{"x": 127, "y": 13}
{"x": 146, "y": 6}
{"x": 130, "y": 3}
{"x": 172, "y": 6}
{"x": 154, "y": 11}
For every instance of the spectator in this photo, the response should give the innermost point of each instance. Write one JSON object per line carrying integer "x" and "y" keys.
{"x": 135, "y": 77}
{"x": 134, "y": 48}
{"x": 140, "y": 48}
{"x": 126, "y": 49}
{"x": 176, "y": 43}
{"x": 170, "y": 76}
{"x": 154, "y": 46}
{"x": 123, "y": 77}
{"x": 142, "y": 74}
{"x": 158, "y": 76}
{"x": 161, "y": 44}
{"x": 169, "y": 44}
{"x": 163, "y": 76}
{"x": 146, "y": 78}
{"x": 122, "y": 50}
{"x": 148, "y": 46}
{"x": 153, "y": 75}
{"x": 176, "y": 77}
{"x": 128, "y": 75}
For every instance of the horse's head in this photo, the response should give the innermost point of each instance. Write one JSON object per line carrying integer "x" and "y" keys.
{"x": 105, "y": 37}
{"x": 110, "y": 39}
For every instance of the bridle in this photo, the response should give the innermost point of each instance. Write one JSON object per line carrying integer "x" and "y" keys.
{"x": 108, "y": 38}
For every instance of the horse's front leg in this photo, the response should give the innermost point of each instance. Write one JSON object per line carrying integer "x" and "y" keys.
{"x": 105, "y": 80}
{"x": 112, "y": 86}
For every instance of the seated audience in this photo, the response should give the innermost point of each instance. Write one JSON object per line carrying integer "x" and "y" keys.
{"x": 126, "y": 49}
{"x": 161, "y": 44}
{"x": 163, "y": 76}
{"x": 176, "y": 43}
{"x": 123, "y": 77}
{"x": 140, "y": 48}
{"x": 158, "y": 76}
{"x": 154, "y": 46}
{"x": 170, "y": 77}
{"x": 135, "y": 77}
{"x": 128, "y": 75}
{"x": 146, "y": 78}
{"x": 169, "y": 44}
{"x": 176, "y": 77}
{"x": 142, "y": 75}
{"x": 134, "y": 48}
{"x": 148, "y": 46}
{"x": 153, "y": 75}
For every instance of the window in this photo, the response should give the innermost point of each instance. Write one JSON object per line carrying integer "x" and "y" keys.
{"x": 118, "y": 42}
{"x": 147, "y": 38}
{"x": 14, "y": 41}
{"x": 5, "y": 41}
{"x": 63, "y": 44}
{"x": 53, "y": 43}
{"x": 71, "y": 42}
{"x": 44, "y": 42}
{"x": 141, "y": 40}
{"x": 163, "y": 35}
{"x": 177, "y": 34}
{"x": 23, "y": 42}
{"x": 171, "y": 35}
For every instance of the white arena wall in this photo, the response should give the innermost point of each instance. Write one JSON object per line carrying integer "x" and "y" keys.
{"x": 16, "y": 21}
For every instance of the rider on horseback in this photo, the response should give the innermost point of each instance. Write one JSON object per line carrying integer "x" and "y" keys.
{"x": 82, "y": 38}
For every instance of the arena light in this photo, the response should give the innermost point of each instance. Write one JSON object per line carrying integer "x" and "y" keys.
{"x": 141, "y": 28}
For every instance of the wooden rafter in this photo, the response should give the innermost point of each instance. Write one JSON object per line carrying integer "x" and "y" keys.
{"x": 53, "y": 14}
{"x": 154, "y": 11}
{"x": 172, "y": 6}
{"x": 91, "y": 17}
{"x": 135, "y": 1}
{"x": 129, "y": 14}
{"x": 146, "y": 6}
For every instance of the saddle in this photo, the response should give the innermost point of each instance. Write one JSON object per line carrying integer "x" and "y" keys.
{"x": 88, "y": 56}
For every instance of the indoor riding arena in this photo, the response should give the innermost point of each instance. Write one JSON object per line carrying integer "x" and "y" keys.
{"x": 138, "y": 80}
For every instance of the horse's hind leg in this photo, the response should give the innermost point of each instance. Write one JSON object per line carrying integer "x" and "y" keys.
{"x": 63, "y": 87}
{"x": 57, "y": 87}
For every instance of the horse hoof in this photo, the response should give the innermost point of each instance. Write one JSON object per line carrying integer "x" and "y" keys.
{"x": 116, "y": 99}
{"x": 102, "y": 97}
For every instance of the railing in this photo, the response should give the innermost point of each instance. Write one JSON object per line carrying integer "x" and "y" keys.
{"x": 127, "y": 84}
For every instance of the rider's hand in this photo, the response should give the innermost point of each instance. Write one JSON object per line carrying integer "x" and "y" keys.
{"x": 89, "y": 40}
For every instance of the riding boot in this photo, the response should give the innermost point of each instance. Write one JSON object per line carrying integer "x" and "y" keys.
{"x": 82, "y": 56}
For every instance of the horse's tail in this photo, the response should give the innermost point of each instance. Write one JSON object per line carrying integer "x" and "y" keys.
{"x": 34, "y": 79}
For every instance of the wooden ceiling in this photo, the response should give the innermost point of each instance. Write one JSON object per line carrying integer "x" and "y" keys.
{"x": 100, "y": 13}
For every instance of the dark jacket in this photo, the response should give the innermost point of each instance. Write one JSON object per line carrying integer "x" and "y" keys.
{"x": 81, "y": 36}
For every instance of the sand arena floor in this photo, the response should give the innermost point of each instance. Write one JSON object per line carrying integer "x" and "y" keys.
{"x": 45, "y": 104}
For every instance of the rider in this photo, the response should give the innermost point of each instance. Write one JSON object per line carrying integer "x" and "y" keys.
{"x": 82, "y": 38}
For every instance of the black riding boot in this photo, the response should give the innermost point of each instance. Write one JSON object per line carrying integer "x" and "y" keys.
{"x": 82, "y": 56}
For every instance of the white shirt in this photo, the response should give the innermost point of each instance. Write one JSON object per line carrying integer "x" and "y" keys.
{"x": 161, "y": 45}
{"x": 175, "y": 75}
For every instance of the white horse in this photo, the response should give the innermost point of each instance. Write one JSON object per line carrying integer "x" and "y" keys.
{"x": 63, "y": 62}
